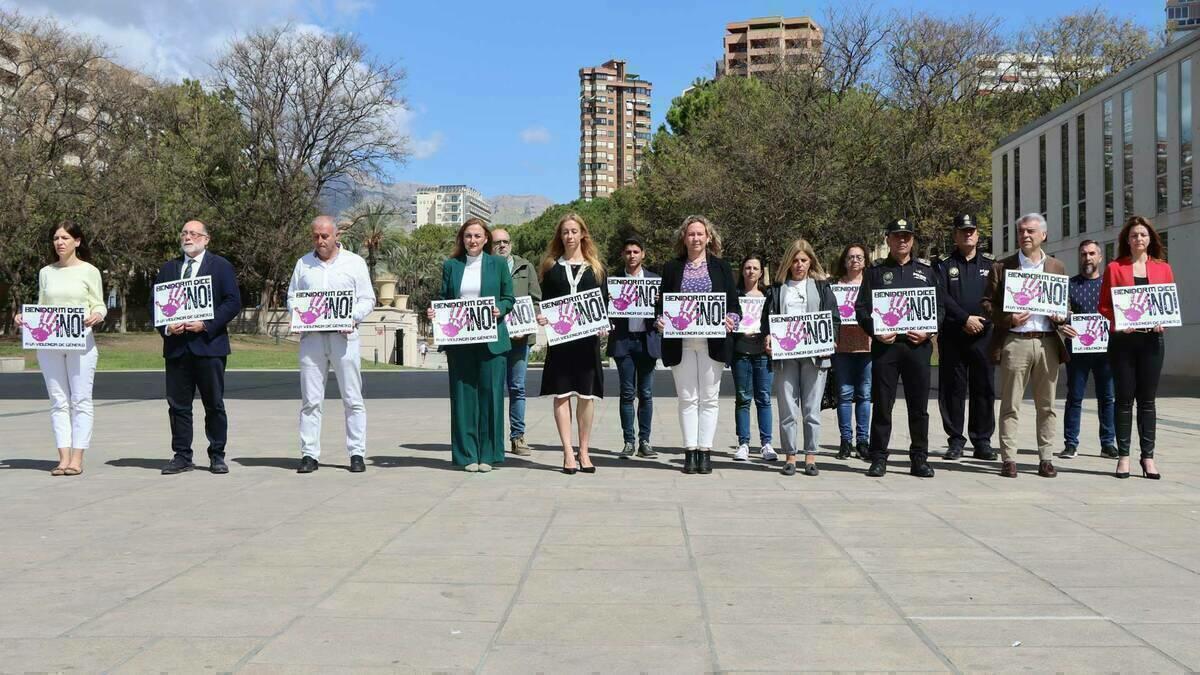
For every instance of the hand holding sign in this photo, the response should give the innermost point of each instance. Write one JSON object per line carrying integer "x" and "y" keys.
{"x": 323, "y": 310}
{"x": 53, "y": 327}
{"x": 796, "y": 336}
{"x": 1035, "y": 293}
{"x": 1152, "y": 306}
{"x": 846, "y": 295}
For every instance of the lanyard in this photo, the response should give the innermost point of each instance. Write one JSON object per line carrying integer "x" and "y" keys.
{"x": 572, "y": 278}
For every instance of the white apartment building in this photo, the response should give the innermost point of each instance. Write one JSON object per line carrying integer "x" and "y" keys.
{"x": 449, "y": 205}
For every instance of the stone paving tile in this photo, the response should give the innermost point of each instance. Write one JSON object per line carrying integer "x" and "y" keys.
{"x": 570, "y": 624}
{"x": 1180, "y": 641}
{"x": 741, "y": 647}
{"x": 23, "y": 655}
{"x": 587, "y": 659}
{"x": 1062, "y": 659}
{"x": 190, "y": 654}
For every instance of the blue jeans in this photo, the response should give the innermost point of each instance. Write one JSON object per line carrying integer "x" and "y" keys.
{"x": 518, "y": 361}
{"x": 635, "y": 371}
{"x": 1078, "y": 369}
{"x": 752, "y": 380}
{"x": 852, "y": 374}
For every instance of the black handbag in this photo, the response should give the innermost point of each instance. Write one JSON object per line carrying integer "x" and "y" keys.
{"x": 830, "y": 398}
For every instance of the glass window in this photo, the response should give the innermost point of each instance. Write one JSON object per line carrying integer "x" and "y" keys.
{"x": 1081, "y": 172}
{"x": 1127, "y": 153}
{"x": 1165, "y": 237}
{"x": 1160, "y": 142}
{"x": 1004, "y": 200}
{"x": 1016, "y": 188}
{"x": 1064, "y": 165}
{"x": 1108, "y": 163}
{"x": 1185, "y": 133}
{"x": 1042, "y": 175}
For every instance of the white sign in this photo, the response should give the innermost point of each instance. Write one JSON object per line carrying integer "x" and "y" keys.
{"x": 1035, "y": 292}
{"x": 465, "y": 322}
{"x": 522, "y": 320}
{"x": 696, "y": 315}
{"x": 1146, "y": 306}
{"x": 846, "y": 295}
{"x": 632, "y": 297}
{"x": 53, "y": 327}
{"x": 574, "y": 316}
{"x": 326, "y": 310}
{"x": 183, "y": 301}
{"x": 1093, "y": 333}
{"x": 798, "y": 336}
{"x": 752, "y": 309}
{"x": 905, "y": 309}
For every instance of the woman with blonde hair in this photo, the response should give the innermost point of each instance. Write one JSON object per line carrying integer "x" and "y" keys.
{"x": 697, "y": 363}
{"x": 572, "y": 265}
{"x": 800, "y": 288}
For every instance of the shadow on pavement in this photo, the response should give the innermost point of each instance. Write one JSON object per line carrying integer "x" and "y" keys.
{"x": 28, "y": 464}
{"x": 155, "y": 463}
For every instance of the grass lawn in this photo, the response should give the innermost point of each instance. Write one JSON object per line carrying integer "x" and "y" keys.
{"x": 143, "y": 351}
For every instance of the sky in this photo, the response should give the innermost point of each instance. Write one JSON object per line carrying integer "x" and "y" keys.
{"x": 492, "y": 88}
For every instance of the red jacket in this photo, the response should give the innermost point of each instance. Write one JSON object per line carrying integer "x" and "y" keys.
{"x": 1120, "y": 273}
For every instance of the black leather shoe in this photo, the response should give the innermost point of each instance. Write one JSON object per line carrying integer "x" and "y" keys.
{"x": 628, "y": 450}
{"x": 789, "y": 469}
{"x": 952, "y": 454}
{"x": 864, "y": 451}
{"x": 705, "y": 462}
{"x": 177, "y": 465}
{"x": 646, "y": 450}
{"x": 921, "y": 470}
{"x": 1109, "y": 452}
{"x": 986, "y": 454}
{"x": 691, "y": 461}
{"x": 878, "y": 468}
{"x": 218, "y": 465}
{"x": 845, "y": 450}
{"x": 307, "y": 465}
{"x": 357, "y": 464}
{"x": 811, "y": 469}
{"x": 1068, "y": 452}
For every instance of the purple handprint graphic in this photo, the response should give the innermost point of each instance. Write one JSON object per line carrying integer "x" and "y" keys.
{"x": 897, "y": 310}
{"x": 458, "y": 321}
{"x": 846, "y": 308}
{"x": 626, "y": 298}
{"x": 318, "y": 306}
{"x": 796, "y": 334}
{"x": 1028, "y": 293}
{"x": 567, "y": 316}
{"x": 1092, "y": 332}
{"x": 685, "y": 317}
{"x": 174, "y": 302}
{"x": 41, "y": 332}
{"x": 1137, "y": 308}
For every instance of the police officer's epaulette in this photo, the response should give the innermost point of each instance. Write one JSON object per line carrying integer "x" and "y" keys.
{"x": 987, "y": 256}
{"x": 878, "y": 261}
{"x": 925, "y": 262}
{"x": 942, "y": 258}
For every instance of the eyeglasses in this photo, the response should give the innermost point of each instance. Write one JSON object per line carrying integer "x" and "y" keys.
{"x": 500, "y": 242}
{"x": 194, "y": 235}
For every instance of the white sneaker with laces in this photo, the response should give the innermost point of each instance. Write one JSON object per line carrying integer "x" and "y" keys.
{"x": 768, "y": 453}
{"x": 742, "y": 454}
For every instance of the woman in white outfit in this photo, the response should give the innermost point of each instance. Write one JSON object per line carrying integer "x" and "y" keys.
{"x": 70, "y": 280}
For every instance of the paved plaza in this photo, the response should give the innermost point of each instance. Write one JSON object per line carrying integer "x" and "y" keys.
{"x": 416, "y": 566}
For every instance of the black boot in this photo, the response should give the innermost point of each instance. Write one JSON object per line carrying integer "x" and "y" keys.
{"x": 864, "y": 451}
{"x": 705, "y": 461}
{"x": 691, "y": 460}
{"x": 844, "y": 450}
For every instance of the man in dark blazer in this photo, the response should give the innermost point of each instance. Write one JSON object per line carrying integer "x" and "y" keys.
{"x": 636, "y": 346}
{"x": 195, "y": 351}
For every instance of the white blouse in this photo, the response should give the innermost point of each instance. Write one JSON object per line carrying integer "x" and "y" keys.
{"x": 472, "y": 279}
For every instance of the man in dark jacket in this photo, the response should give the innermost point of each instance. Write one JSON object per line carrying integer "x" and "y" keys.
{"x": 525, "y": 282}
{"x": 635, "y": 346}
{"x": 195, "y": 351}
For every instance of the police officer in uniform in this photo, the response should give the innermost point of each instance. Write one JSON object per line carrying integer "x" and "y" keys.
{"x": 897, "y": 356}
{"x": 964, "y": 369}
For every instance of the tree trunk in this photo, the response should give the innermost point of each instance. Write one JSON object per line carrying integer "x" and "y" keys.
{"x": 264, "y": 306}
{"x": 122, "y": 295}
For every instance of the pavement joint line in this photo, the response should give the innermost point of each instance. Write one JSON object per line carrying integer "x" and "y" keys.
{"x": 713, "y": 656}
{"x": 1120, "y": 541}
{"x": 106, "y": 404}
{"x": 882, "y": 593}
{"x": 1051, "y": 584}
{"x": 520, "y": 586}
{"x": 1011, "y": 618}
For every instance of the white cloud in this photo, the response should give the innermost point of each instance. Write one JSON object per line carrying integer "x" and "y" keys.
{"x": 535, "y": 135}
{"x": 421, "y": 148}
{"x": 424, "y": 148}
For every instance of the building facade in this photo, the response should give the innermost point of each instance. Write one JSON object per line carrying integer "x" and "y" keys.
{"x": 763, "y": 45}
{"x": 614, "y": 127}
{"x": 1183, "y": 15}
{"x": 1120, "y": 149}
{"x": 1011, "y": 72}
{"x": 449, "y": 205}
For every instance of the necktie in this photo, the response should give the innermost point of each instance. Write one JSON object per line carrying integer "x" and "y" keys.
{"x": 187, "y": 269}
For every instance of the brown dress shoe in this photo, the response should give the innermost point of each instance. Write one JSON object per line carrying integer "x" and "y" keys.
{"x": 1009, "y": 470}
{"x": 1046, "y": 470}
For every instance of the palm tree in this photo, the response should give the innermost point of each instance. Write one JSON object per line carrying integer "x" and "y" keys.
{"x": 369, "y": 229}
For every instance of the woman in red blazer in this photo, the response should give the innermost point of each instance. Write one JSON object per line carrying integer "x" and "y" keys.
{"x": 1136, "y": 355}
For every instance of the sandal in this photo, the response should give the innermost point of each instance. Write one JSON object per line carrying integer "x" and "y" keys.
{"x": 72, "y": 471}
{"x": 58, "y": 471}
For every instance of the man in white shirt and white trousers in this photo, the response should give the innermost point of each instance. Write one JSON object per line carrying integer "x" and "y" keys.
{"x": 331, "y": 267}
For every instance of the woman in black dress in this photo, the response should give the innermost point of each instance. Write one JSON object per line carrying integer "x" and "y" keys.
{"x": 572, "y": 370}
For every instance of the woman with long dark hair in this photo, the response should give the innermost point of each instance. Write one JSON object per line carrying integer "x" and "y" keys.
{"x": 572, "y": 371}
{"x": 1135, "y": 354}
{"x": 852, "y": 363}
{"x": 752, "y": 368}
{"x": 69, "y": 279}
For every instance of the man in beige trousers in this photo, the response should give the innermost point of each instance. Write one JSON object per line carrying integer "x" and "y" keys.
{"x": 1028, "y": 347}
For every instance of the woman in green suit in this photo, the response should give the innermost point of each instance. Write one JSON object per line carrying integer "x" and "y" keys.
{"x": 477, "y": 371}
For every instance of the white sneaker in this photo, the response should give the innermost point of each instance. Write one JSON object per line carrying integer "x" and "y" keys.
{"x": 742, "y": 454}
{"x": 768, "y": 453}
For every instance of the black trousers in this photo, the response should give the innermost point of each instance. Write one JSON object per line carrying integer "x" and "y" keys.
{"x": 965, "y": 372}
{"x": 890, "y": 363}
{"x": 186, "y": 374}
{"x": 1136, "y": 360}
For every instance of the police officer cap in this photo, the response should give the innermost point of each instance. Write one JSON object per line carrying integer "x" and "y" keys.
{"x": 900, "y": 225}
{"x": 965, "y": 221}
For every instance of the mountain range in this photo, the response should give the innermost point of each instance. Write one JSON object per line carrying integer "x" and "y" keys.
{"x": 506, "y": 209}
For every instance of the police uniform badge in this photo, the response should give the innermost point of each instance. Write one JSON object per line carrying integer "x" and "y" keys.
{"x": 887, "y": 277}
{"x": 953, "y": 272}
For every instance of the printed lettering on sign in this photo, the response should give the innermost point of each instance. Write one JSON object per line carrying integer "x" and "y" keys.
{"x": 1035, "y": 292}
{"x": 752, "y": 309}
{"x": 632, "y": 297}
{"x": 522, "y": 320}
{"x": 846, "y": 295}
{"x": 798, "y": 336}
{"x": 1146, "y": 306}
{"x": 905, "y": 309}
{"x": 698, "y": 315}
{"x": 326, "y": 310}
{"x": 54, "y": 327}
{"x": 465, "y": 322}
{"x": 1093, "y": 333}
{"x": 183, "y": 301}
{"x": 574, "y": 316}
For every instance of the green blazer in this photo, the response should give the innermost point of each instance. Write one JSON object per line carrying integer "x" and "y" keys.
{"x": 495, "y": 281}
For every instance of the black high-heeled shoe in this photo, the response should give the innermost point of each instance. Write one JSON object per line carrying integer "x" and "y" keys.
{"x": 1147, "y": 474}
{"x": 1120, "y": 474}
{"x": 571, "y": 471}
{"x": 587, "y": 469}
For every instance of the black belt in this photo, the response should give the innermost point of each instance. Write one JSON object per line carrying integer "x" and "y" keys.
{"x": 1030, "y": 335}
